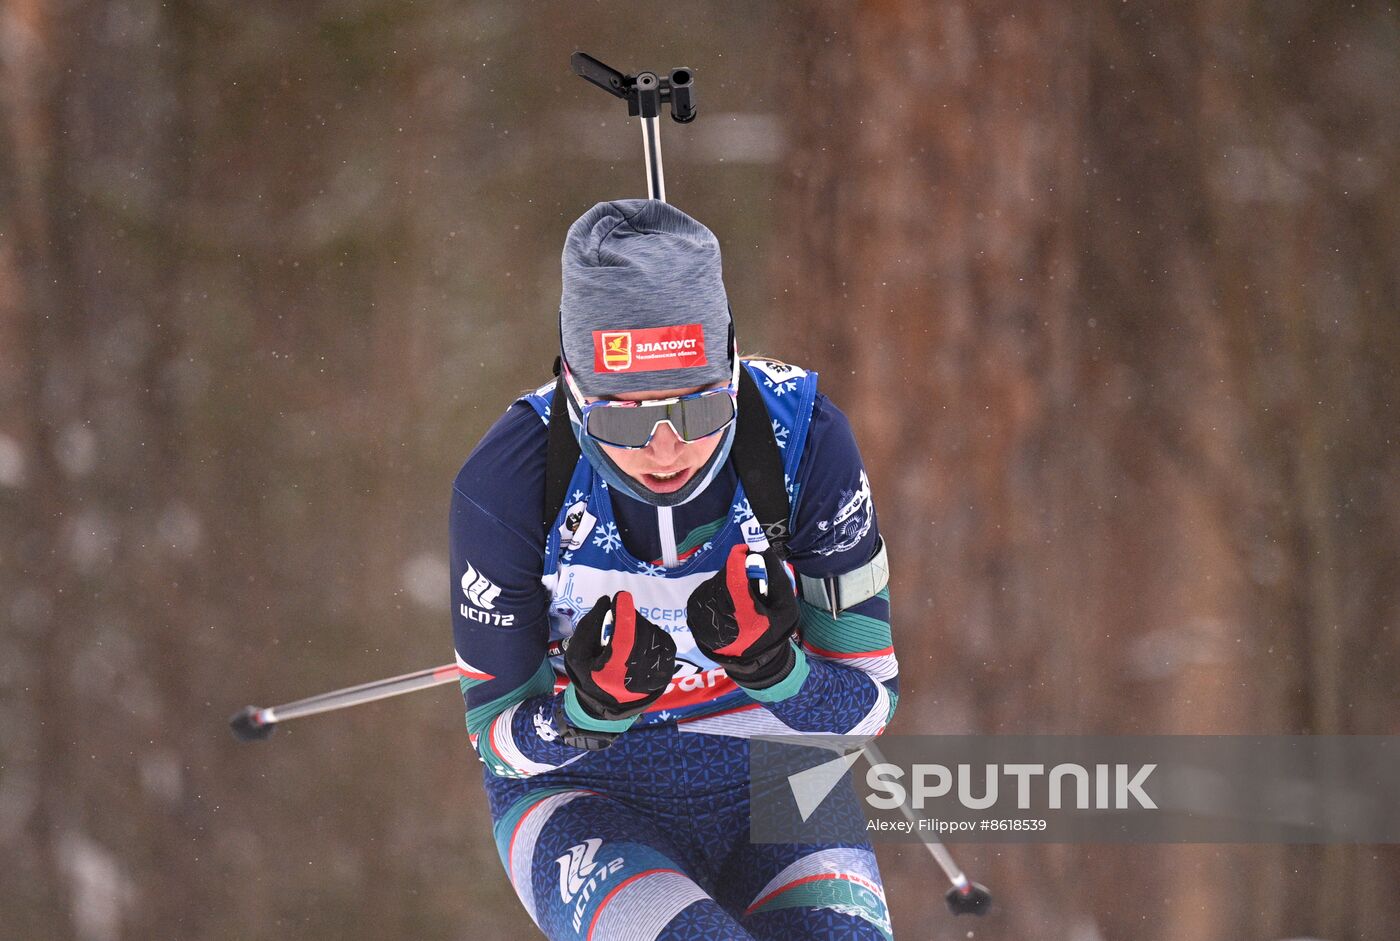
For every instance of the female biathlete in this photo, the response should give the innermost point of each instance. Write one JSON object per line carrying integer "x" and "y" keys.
{"x": 624, "y": 622}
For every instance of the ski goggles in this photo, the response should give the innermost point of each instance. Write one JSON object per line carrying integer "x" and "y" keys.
{"x": 631, "y": 425}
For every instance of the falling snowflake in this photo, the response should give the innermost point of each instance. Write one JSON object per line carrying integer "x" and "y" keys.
{"x": 783, "y": 387}
{"x": 647, "y": 568}
{"x": 780, "y": 433}
{"x": 576, "y": 497}
{"x": 664, "y": 715}
{"x": 741, "y": 510}
{"x": 607, "y": 539}
{"x": 788, "y": 486}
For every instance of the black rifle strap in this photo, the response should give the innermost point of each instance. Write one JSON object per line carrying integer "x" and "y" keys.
{"x": 561, "y": 455}
{"x": 760, "y": 464}
{"x": 755, "y": 453}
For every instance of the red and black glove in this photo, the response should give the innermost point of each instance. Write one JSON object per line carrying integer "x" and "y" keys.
{"x": 619, "y": 665}
{"x": 749, "y": 633}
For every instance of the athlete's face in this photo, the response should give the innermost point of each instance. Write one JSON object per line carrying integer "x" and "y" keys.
{"x": 667, "y": 462}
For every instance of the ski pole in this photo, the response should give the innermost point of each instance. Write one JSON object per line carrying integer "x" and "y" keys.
{"x": 965, "y": 897}
{"x": 253, "y": 724}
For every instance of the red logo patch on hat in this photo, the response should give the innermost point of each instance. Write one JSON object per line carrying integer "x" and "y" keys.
{"x": 616, "y": 350}
{"x": 649, "y": 349}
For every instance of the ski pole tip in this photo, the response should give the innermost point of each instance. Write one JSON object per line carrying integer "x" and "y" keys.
{"x": 972, "y": 899}
{"x": 248, "y": 725}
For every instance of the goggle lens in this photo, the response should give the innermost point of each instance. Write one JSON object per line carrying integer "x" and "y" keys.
{"x": 693, "y": 417}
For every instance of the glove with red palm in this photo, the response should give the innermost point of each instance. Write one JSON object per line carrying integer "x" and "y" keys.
{"x": 747, "y": 631}
{"x": 619, "y": 663}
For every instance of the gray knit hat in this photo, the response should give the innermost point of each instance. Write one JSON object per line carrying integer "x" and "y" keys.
{"x": 643, "y": 305}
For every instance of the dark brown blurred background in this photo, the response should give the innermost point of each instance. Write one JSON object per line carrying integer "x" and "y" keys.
{"x": 1110, "y": 289}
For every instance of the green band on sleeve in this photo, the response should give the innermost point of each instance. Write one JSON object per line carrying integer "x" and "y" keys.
{"x": 480, "y": 717}
{"x": 852, "y": 632}
{"x": 788, "y": 686}
{"x": 580, "y": 719}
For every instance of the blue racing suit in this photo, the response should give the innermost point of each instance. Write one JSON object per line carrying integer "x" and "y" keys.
{"x": 649, "y": 838}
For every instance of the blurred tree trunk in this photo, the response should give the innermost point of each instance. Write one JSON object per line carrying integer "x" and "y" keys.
{"x": 1110, "y": 294}
{"x": 104, "y": 531}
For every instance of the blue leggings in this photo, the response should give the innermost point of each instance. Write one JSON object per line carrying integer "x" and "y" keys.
{"x": 650, "y": 840}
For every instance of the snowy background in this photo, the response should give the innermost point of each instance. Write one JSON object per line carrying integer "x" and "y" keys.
{"x": 1110, "y": 289}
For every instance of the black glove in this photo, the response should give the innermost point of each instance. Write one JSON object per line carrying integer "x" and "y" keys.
{"x": 747, "y": 632}
{"x": 617, "y": 678}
